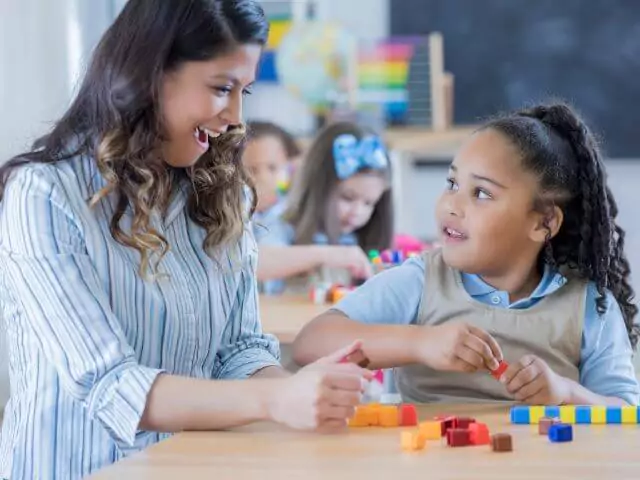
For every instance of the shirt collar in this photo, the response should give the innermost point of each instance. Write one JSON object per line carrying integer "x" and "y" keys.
{"x": 551, "y": 281}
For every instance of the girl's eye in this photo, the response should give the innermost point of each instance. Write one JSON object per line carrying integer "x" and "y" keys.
{"x": 246, "y": 92}
{"x": 483, "y": 194}
{"x": 222, "y": 91}
{"x": 451, "y": 185}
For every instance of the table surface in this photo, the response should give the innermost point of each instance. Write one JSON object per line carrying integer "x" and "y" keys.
{"x": 285, "y": 315}
{"x": 266, "y": 451}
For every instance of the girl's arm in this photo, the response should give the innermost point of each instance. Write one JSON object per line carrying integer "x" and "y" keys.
{"x": 386, "y": 346}
{"x": 282, "y": 261}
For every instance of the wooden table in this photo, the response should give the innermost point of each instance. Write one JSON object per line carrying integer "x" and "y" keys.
{"x": 285, "y": 315}
{"x": 270, "y": 452}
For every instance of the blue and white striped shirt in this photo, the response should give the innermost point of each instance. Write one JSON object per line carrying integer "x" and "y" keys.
{"x": 87, "y": 336}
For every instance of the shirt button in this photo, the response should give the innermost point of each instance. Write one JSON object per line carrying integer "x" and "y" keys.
{"x": 495, "y": 300}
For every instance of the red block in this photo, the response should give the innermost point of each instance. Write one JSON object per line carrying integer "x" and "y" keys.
{"x": 408, "y": 416}
{"x": 464, "y": 422}
{"x": 458, "y": 437}
{"x": 448, "y": 422}
{"x": 502, "y": 367}
{"x": 479, "y": 434}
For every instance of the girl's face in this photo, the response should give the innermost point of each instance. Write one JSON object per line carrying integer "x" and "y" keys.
{"x": 486, "y": 217}
{"x": 354, "y": 199}
{"x": 265, "y": 158}
{"x": 200, "y": 100}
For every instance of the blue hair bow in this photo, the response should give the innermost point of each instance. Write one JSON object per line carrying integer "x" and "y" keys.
{"x": 351, "y": 155}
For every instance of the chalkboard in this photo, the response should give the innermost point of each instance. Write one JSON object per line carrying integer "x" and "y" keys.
{"x": 509, "y": 53}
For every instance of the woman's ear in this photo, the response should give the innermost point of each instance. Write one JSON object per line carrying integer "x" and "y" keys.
{"x": 547, "y": 225}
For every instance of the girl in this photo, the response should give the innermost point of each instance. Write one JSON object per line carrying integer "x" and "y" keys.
{"x": 127, "y": 266}
{"x": 340, "y": 206}
{"x": 269, "y": 157}
{"x": 532, "y": 272}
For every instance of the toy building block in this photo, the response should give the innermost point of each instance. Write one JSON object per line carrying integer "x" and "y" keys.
{"x": 412, "y": 441}
{"x": 560, "y": 433}
{"x": 545, "y": 424}
{"x": 520, "y": 415}
{"x": 479, "y": 434}
{"x": 431, "y": 430}
{"x": 583, "y": 414}
{"x": 361, "y": 417}
{"x": 408, "y": 415}
{"x": 358, "y": 357}
{"x": 568, "y": 414}
{"x": 629, "y": 415}
{"x": 319, "y": 295}
{"x": 501, "y": 442}
{"x": 449, "y": 423}
{"x": 388, "y": 416}
{"x": 598, "y": 415}
{"x": 536, "y": 412}
{"x": 614, "y": 415}
{"x": 464, "y": 422}
{"x": 502, "y": 367}
{"x": 552, "y": 411}
{"x": 458, "y": 437}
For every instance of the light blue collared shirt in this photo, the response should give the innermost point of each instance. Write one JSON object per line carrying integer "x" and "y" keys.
{"x": 606, "y": 367}
{"x": 87, "y": 336}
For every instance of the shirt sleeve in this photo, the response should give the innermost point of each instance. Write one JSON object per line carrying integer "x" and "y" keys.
{"x": 606, "y": 366}
{"x": 391, "y": 297}
{"x": 51, "y": 281}
{"x": 245, "y": 349}
{"x": 273, "y": 232}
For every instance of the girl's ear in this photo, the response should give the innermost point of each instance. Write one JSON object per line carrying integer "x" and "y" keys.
{"x": 547, "y": 225}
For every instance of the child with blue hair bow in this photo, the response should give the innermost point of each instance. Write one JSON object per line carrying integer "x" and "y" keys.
{"x": 340, "y": 207}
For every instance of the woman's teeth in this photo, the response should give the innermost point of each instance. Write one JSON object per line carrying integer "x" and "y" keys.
{"x": 209, "y": 133}
{"x": 454, "y": 233}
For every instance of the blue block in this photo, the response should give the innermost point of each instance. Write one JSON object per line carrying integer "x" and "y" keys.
{"x": 560, "y": 432}
{"x": 614, "y": 415}
{"x": 583, "y": 415}
{"x": 552, "y": 412}
{"x": 520, "y": 415}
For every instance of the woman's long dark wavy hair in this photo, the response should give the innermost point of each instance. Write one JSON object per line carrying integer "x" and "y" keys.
{"x": 557, "y": 146}
{"x": 116, "y": 119}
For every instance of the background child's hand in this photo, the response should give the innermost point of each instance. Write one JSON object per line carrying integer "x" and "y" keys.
{"x": 322, "y": 395}
{"x": 532, "y": 381}
{"x": 458, "y": 347}
{"x": 350, "y": 257}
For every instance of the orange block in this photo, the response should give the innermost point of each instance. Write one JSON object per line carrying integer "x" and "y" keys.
{"x": 388, "y": 416}
{"x": 412, "y": 441}
{"x": 431, "y": 430}
{"x": 360, "y": 418}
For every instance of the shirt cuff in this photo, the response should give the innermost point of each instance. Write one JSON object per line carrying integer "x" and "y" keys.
{"x": 119, "y": 399}
{"x": 247, "y": 362}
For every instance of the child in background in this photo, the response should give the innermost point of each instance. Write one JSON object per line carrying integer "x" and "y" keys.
{"x": 269, "y": 157}
{"x": 340, "y": 206}
{"x": 532, "y": 271}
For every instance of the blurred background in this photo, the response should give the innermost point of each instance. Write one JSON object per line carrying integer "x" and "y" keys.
{"x": 422, "y": 71}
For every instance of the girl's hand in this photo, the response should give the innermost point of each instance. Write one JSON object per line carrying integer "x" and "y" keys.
{"x": 457, "y": 347}
{"x": 532, "y": 381}
{"x": 351, "y": 258}
{"x": 322, "y": 396}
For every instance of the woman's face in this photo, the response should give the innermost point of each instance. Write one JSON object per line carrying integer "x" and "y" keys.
{"x": 201, "y": 100}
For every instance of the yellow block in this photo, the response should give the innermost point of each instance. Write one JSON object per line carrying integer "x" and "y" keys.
{"x": 598, "y": 415}
{"x": 360, "y": 418}
{"x": 431, "y": 430}
{"x": 630, "y": 415}
{"x": 568, "y": 414}
{"x": 536, "y": 412}
{"x": 412, "y": 441}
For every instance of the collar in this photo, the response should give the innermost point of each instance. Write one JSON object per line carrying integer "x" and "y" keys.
{"x": 551, "y": 281}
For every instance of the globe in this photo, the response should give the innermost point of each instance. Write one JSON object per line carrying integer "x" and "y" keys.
{"x": 313, "y": 62}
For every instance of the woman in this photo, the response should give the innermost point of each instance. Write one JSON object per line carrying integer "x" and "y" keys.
{"x": 127, "y": 259}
